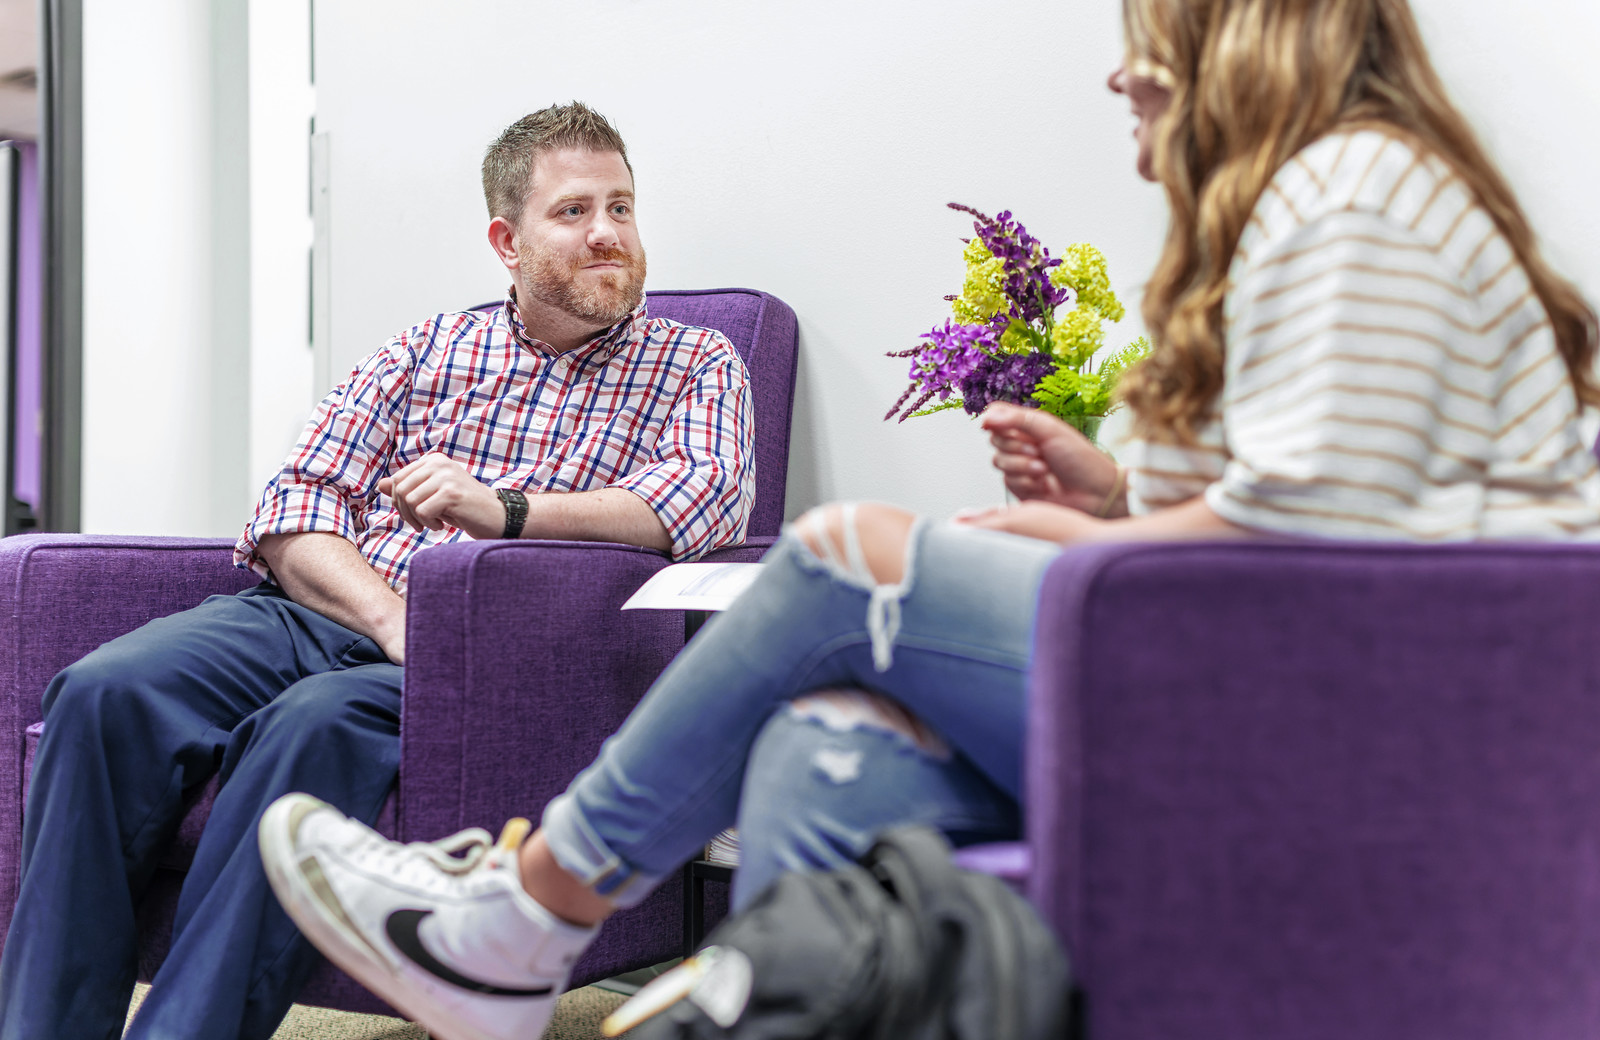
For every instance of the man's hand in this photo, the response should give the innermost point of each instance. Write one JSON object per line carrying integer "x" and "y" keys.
{"x": 1045, "y": 460}
{"x": 436, "y": 492}
{"x": 1045, "y": 521}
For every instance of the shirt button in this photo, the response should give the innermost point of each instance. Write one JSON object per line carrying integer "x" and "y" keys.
{"x": 540, "y": 421}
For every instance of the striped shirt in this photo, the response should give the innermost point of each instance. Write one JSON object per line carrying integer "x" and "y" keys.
{"x": 658, "y": 408}
{"x": 1390, "y": 373}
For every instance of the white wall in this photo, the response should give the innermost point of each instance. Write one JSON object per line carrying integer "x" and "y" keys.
{"x": 282, "y": 105}
{"x": 808, "y": 149}
{"x": 1531, "y": 85}
{"x": 197, "y": 360}
{"x": 166, "y": 304}
{"x": 805, "y": 149}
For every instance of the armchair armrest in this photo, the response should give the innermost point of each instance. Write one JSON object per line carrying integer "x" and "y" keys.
{"x": 519, "y": 663}
{"x": 1268, "y": 781}
{"x": 749, "y": 551}
{"x": 60, "y": 597}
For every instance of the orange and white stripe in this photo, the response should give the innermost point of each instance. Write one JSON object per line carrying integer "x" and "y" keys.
{"x": 1390, "y": 372}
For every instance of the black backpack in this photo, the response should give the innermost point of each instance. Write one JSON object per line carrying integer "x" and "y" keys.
{"x": 904, "y": 946}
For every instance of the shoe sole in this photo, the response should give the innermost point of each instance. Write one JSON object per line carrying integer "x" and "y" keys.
{"x": 336, "y": 941}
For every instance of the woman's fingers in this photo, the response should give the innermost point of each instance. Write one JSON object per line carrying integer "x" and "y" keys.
{"x": 1001, "y": 416}
{"x": 1030, "y": 423}
{"x": 1019, "y": 465}
{"x": 1043, "y": 458}
{"x": 1028, "y": 488}
{"x": 1013, "y": 445}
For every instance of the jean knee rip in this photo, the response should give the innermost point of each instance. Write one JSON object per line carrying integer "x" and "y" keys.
{"x": 850, "y": 568}
{"x": 838, "y": 765}
{"x": 847, "y": 710}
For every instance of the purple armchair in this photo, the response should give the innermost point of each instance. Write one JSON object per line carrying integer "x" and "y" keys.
{"x": 482, "y": 686}
{"x": 1306, "y": 791}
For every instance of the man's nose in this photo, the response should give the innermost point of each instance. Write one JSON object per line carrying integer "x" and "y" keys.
{"x": 603, "y": 232}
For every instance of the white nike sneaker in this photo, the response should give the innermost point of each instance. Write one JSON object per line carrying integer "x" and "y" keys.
{"x": 450, "y": 940}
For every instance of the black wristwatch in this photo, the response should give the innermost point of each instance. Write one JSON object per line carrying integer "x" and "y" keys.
{"x": 516, "y": 504}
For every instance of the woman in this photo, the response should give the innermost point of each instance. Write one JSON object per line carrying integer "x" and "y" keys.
{"x": 1355, "y": 338}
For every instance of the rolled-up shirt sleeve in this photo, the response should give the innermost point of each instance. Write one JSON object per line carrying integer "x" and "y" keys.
{"x": 701, "y": 476}
{"x": 334, "y": 468}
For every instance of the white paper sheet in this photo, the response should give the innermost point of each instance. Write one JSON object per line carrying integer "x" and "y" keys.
{"x": 694, "y": 586}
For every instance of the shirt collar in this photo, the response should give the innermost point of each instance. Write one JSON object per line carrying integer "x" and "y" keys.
{"x": 601, "y": 346}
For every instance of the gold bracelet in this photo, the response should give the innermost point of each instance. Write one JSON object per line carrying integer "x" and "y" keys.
{"x": 1111, "y": 498}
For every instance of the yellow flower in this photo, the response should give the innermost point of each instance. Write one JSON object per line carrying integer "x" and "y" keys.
{"x": 1078, "y": 335}
{"x": 1015, "y": 339}
{"x": 982, "y": 292}
{"x": 1083, "y": 270}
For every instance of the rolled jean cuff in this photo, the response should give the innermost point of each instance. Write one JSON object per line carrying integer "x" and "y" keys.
{"x": 580, "y": 852}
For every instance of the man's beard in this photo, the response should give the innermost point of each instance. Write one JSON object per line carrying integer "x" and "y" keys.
{"x": 552, "y": 279}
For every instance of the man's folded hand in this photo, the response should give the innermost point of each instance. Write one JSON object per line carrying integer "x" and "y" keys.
{"x": 436, "y": 492}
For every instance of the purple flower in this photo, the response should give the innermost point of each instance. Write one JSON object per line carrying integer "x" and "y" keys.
{"x": 967, "y": 359}
{"x": 947, "y": 355}
{"x": 1007, "y": 377}
{"x": 950, "y": 353}
{"x": 1027, "y": 261}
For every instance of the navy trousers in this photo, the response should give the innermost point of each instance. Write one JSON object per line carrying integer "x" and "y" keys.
{"x": 272, "y": 697}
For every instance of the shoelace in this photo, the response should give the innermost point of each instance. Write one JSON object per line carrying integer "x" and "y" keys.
{"x": 458, "y": 855}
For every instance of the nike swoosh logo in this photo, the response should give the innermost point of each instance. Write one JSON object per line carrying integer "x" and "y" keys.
{"x": 402, "y": 928}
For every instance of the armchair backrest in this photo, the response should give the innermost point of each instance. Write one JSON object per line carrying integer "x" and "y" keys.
{"x": 764, "y": 331}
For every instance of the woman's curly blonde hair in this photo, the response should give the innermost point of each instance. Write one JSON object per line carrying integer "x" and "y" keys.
{"x": 1253, "y": 82}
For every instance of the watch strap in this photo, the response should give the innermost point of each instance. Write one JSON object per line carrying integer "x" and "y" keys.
{"x": 516, "y": 504}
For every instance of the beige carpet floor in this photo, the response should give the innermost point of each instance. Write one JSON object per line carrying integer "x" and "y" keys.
{"x": 577, "y": 1017}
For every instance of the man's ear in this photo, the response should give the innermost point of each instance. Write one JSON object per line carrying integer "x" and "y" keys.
{"x": 503, "y": 240}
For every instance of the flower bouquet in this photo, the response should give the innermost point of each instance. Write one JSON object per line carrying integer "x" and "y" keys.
{"x": 1005, "y": 342}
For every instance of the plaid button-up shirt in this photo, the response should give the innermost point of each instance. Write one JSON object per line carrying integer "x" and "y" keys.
{"x": 660, "y": 409}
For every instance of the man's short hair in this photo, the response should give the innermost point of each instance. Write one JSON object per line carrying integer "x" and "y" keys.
{"x": 508, "y": 164}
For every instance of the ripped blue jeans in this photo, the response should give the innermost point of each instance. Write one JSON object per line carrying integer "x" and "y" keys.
{"x": 715, "y": 742}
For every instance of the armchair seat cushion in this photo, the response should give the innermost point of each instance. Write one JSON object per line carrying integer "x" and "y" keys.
{"x": 1010, "y": 861}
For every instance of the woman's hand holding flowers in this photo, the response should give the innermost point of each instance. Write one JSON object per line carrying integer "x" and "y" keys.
{"x": 1045, "y": 460}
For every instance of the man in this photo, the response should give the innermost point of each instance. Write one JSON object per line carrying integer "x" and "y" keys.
{"x": 564, "y": 413}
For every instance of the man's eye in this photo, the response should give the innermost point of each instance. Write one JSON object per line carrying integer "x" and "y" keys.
{"x": 621, "y": 209}
{"x": 572, "y": 211}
